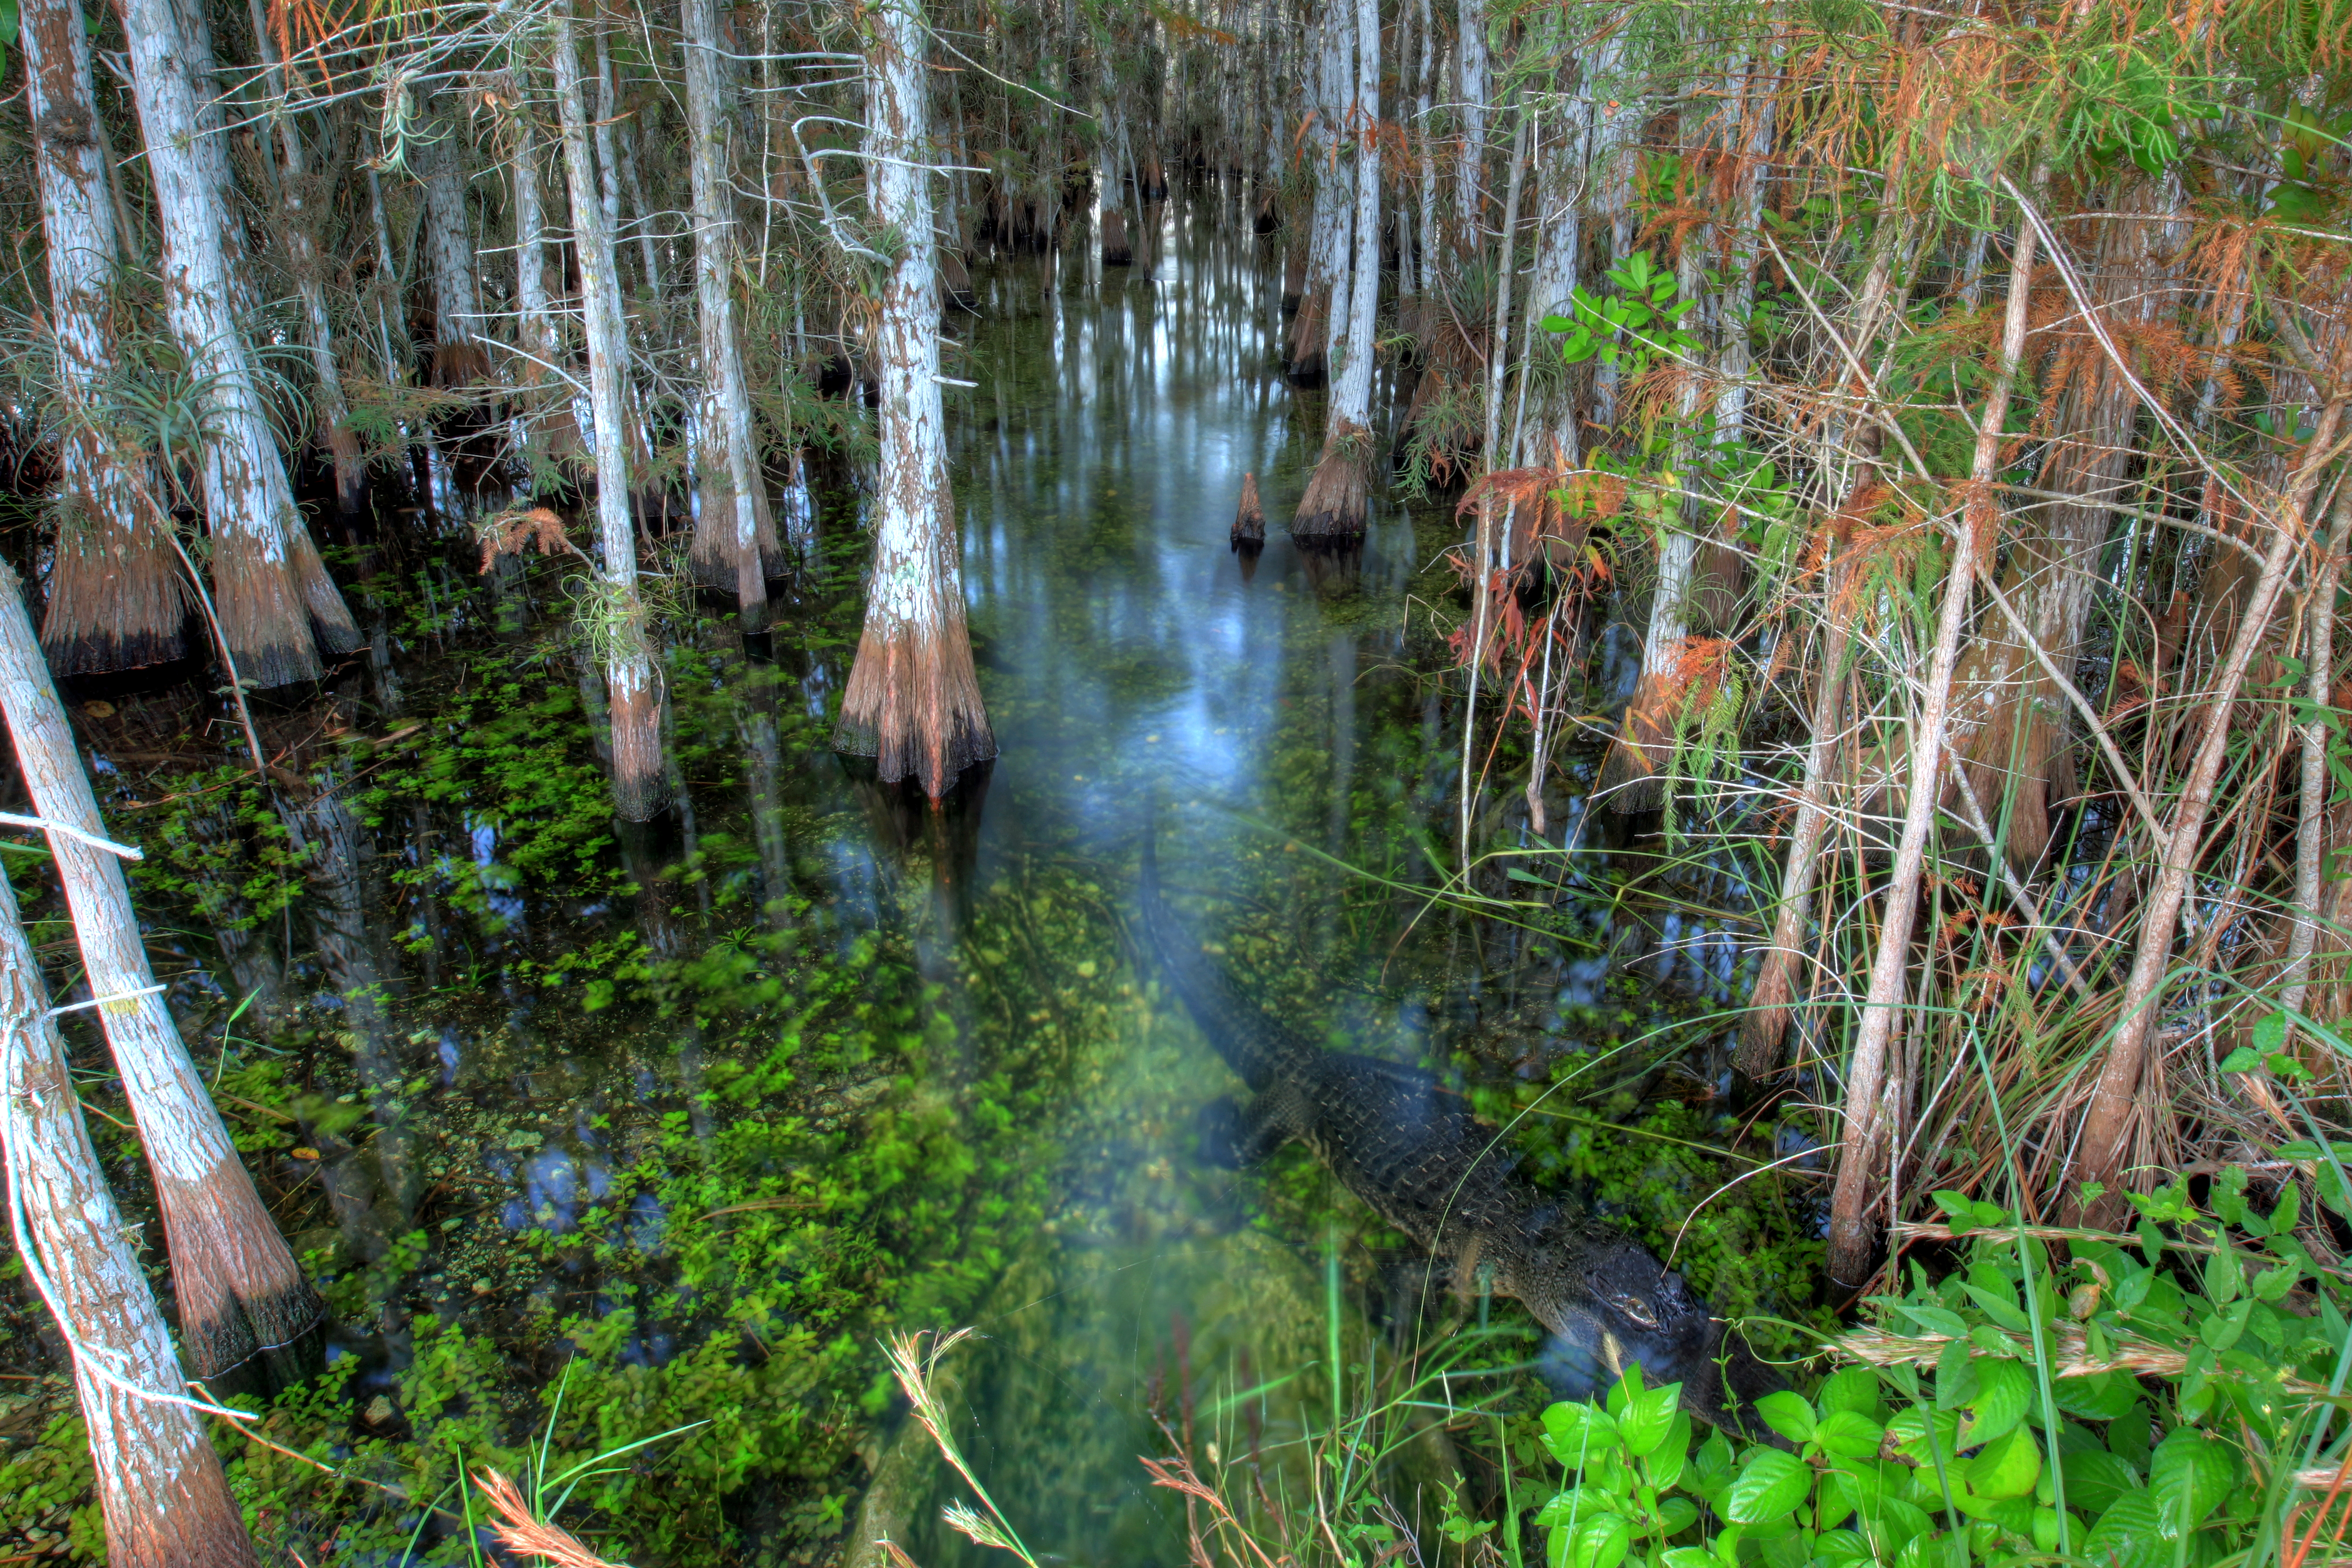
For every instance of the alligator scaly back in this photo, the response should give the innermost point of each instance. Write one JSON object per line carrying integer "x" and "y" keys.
{"x": 1252, "y": 1045}
{"x": 1418, "y": 1158}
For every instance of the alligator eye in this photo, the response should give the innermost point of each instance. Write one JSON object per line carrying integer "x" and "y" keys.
{"x": 1635, "y": 1309}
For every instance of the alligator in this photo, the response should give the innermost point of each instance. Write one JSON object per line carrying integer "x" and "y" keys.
{"x": 1416, "y": 1156}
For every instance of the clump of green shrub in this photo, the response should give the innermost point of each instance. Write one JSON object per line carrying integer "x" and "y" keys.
{"x": 2162, "y": 1400}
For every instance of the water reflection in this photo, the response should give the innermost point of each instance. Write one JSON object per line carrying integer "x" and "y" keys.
{"x": 1124, "y": 647}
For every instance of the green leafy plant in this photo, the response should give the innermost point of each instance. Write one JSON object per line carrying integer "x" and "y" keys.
{"x": 2155, "y": 1402}
{"x": 1631, "y": 328}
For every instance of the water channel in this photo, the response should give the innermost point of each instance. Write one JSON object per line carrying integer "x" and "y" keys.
{"x": 700, "y": 1113}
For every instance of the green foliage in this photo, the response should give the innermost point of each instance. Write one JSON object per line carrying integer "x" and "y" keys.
{"x": 217, "y": 843}
{"x": 2137, "y": 1406}
{"x": 1634, "y": 326}
{"x": 48, "y": 1503}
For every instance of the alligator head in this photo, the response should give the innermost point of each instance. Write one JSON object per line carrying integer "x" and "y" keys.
{"x": 1609, "y": 1304}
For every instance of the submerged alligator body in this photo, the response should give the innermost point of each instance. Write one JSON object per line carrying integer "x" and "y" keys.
{"x": 1424, "y": 1165}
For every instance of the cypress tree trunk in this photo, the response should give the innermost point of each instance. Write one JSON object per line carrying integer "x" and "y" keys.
{"x": 301, "y": 246}
{"x": 1552, "y": 283}
{"x": 1470, "y": 168}
{"x": 913, "y": 702}
{"x": 115, "y": 596}
{"x": 458, "y": 357}
{"x": 265, "y": 572}
{"x": 1335, "y": 502}
{"x": 638, "y": 786}
{"x": 159, "y": 1483}
{"x": 1327, "y": 244}
{"x": 2009, "y": 718}
{"x": 735, "y": 537}
{"x": 545, "y": 401}
{"x": 237, "y": 1284}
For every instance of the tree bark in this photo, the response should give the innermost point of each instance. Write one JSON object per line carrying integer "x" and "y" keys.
{"x": 239, "y": 1290}
{"x": 545, "y": 398}
{"x": 1337, "y": 500}
{"x": 735, "y": 537}
{"x": 1470, "y": 168}
{"x": 2010, "y": 719}
{"x": 116, "y": 600}
{"x": 458, "y": 358}
{"x": 160, "y": 1486}
{"x": 913, "y": 702}
{"x": 266, "y": 570}
{"x": 1326, "y": 241}
{"x": 639, "y": 788}
{"x": 1852, "y": 1240}
{"x": 301, "y": 246}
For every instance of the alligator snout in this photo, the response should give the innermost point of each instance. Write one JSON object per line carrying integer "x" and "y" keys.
{"x": 1609, "y": 1304}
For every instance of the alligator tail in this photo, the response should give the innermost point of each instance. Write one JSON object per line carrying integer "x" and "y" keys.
{"x": 1250, "y": 1046}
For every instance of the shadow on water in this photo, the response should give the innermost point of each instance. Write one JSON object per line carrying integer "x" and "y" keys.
{"x": 522, "y": 1011}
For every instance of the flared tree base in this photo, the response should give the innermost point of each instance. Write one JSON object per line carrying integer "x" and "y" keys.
{"x": 1339, "y": 498}
{"x": 640, "y": 783}
{"x": 913, "y": 705}
{"x": 1634, "y": 774}
{"x": 239, "y": 1291}
{"x": 261, "y": 614}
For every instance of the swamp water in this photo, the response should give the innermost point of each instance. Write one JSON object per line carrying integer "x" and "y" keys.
{"x": 680, "y": 1121}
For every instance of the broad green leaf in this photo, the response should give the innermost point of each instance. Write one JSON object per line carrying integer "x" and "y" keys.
{"x": 1576, "y": 1505}
{"x": 2004, "y": 1392}
{"x": 1834, "y": 1547}
{"x": 2224, "y": 1277}
{"x": 1688, "y": 1557}
{"x": 1849, "y": 1435}
{"x": 1710, "y": 1467}
{"x": 2045, "y": 1529}
{"x": 1575, "y": 1432}
{"x": 2102, "y": 1396}
{"x": 1788, "y": 1414}
{"x": 1852, "y": 1388}
{"x": 1894, "y": 1525}
{"x": 2189, "y": 1476}
{"x": 2095, "y": 1478}
{"x": 2000, "y": 1307}
{"x": 1598, "y": 1543}
{"x": 1668, "y": 1461}
{"x": 2007, "y": 1466}
{"x": 1768, "y": 1487}
{"x": 2128, "y": 1536}
{"x": 1911, "y": 1428}
{"x": 1937, "y": 1319}
{"x": 1644, "y": 1422}
{"x": 2272, "y": 1284}
{"x": 1676, "y": 1514}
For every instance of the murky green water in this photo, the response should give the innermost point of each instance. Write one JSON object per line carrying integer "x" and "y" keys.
{"x": 700, "y": 1113}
